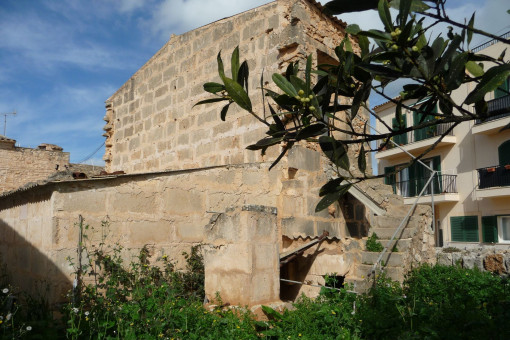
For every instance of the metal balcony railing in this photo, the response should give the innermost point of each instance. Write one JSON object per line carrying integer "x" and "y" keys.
{"x": 489, "y": 43}
{"x": 411, "y": 188}
{"x": 494, "y": 176}
{"x": 497, "y": 108}
{"x": 418, "y": 135}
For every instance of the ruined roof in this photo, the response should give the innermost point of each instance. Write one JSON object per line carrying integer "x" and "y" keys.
{"x": 6, "y": 139}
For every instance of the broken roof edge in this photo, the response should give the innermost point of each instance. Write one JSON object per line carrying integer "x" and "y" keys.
{"x": 313, "y": 3}
{"x": 43, "y": 183}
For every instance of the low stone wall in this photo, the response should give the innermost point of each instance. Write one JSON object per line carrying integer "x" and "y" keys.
{"x": 486, "y": 258}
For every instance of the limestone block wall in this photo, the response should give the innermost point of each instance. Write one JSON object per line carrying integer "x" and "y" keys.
{"x": 241, "y": 256}
{"x": 151, "y": 122}
{"x": 19, "y": 166}
{"x": 169, "y": 212}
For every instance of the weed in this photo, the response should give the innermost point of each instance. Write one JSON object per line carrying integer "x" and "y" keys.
{"x": 373, "y": 245}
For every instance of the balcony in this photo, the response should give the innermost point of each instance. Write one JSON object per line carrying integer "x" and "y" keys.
{"x": 444, "y": 186}
{"x": 493, "y": 182}
{"x": 417, "y": 141}
{"x": 499, "y": 109}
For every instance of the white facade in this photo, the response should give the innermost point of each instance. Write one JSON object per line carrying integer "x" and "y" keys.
{"x": 472, "y": 192}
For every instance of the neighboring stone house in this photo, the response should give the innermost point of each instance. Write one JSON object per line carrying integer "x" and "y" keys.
{"x": 188, "y": 178}
{"x": 19, "y": 166}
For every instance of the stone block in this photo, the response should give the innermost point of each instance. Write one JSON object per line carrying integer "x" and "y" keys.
{"x": 295, "y": 227}
{"x": 83, "y": 201}
{"x": 149, "y": 232}
{"x": 494, "y": 263}
{"x": 181, "y": 201}
{"x": 303, "y": 159}
{"x": 334, "y": 228}
{"x": 265, "y": 256}
{"x": 134, "y": 202}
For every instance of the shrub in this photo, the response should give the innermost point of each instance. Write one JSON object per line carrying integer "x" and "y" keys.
{"x": 374, "y": 245}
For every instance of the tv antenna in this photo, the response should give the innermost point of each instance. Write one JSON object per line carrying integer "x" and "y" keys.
{"x": 5, "y": 118}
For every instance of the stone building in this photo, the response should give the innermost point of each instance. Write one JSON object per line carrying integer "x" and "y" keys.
{"x": 185, "y": 177}
{"x": 19, "y": 166}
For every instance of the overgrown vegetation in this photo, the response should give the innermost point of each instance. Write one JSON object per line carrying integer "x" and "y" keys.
{"x": 144, "y": 300}
{"x": 373, "y": 244}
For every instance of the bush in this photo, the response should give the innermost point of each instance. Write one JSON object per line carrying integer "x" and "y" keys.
{"x": 374, "y": 245}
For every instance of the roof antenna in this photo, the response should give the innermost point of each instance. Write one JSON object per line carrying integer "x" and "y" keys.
{"x": 5, "y": 119}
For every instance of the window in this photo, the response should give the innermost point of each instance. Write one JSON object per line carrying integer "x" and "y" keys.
{"x": 427, "y": 132}
{"x": 496, "y": 229}
{"x": 409, "y": 181}
{"x": 504, "y": 153}
{"x": 464, "y": 228}
{"x": 504, "y": 229}
{"x": 400, "y": 139}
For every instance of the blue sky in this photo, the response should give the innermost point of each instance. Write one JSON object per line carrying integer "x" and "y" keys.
{"x": 61, "y": 59}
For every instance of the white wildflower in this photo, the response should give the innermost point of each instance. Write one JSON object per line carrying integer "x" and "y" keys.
{"x": 8, "y": 316}
{"x": 29, "y": 328}
{"x": 87, "y": 313}
{"x": 75, "y": 310}
{"x": 5, "y": 290}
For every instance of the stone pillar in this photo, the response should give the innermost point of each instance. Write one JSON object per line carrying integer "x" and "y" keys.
{"x": 241, "y": 256}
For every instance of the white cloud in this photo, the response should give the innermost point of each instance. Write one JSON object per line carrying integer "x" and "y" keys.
{"x": 179, "y": 16}
{"x": 131, "y": 5}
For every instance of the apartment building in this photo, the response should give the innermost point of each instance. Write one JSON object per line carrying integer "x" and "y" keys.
{"x": 471, "y": 192}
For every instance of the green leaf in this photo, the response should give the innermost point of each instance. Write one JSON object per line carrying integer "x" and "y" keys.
{"x": 311, "y": 131}
{"x": 329, "y": 199}
{"x": 210, "y": 100}
{"x": 490, "y": 81}
{"x": 450, "y": 51}
{"x": 221, "y": 69}
{"x": 264, "y": 143}
{"x": 307, "y": 74}
{"x": 362, "y": 161}
{"x": 224, "y": 110}
{"x": 335, "y": 150}
{"x": 238, "y": 94}
{"x": 284, "y": 84}
{"x": 470, "y": 28}
{"x": 376, "y": 34}
{"x": 235, "y": 63}
{"x": 276, "y": 119}
{"x": 455, "y": 76}
{"x": 384, "y": 14}
{"x": 331, "y": 186}
{"x": 271, "y": 313}
{"x": 346, "y": 6}
{"x": 213, "y": 87}
{"x": 353, "y": 29}
{"x": 242, "y": 76}
{"x": 404, "y": 8}
{"x": 416, "y": 5}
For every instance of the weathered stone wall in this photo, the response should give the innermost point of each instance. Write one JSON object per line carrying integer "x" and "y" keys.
{"x": 169, "y": 212}
{"x": 493, "y": 259}
{"x": 19, "y": 166}
{"x": 151, "y": 122}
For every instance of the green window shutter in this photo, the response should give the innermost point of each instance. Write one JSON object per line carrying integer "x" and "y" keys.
{"x": 490, "y": 229}
{"x": 390, "y": 179}
{"x": 504, "y": 153}
{"x": 400, "y": 139}
{"x": 395, "y": 126}
{"x": 464, "y": 228}
{"x": 403, "y": 138}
